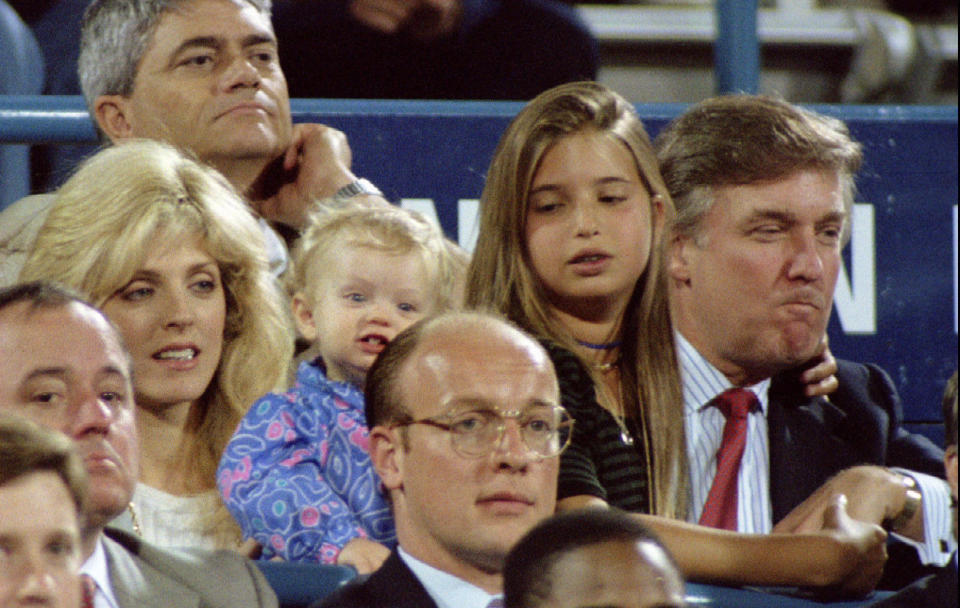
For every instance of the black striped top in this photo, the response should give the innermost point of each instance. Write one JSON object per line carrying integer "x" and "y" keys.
{"x": 597, "y": 462}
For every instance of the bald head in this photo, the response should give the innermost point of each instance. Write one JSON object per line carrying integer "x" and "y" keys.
{"x": 442, "y": 333}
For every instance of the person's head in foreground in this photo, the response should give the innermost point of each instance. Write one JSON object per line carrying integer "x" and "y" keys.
{"x": 466, "y": 433}
{"x": 42, "y": 490}
{"x": 63, "y": 366}
{"x": 591, "y": 558}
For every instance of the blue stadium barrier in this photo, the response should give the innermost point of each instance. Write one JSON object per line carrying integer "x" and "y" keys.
{"x": 699, "y": 595}
{"x": 22, "y": 72}
{"x": 298, "y": 585}
{"x": 896, "y": 301}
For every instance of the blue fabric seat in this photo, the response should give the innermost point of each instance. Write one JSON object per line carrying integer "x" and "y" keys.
{"x": 21, "y": 73}
{"x": 298, "y": 585}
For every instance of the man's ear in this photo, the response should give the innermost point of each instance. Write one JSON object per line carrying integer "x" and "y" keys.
{"x": 112, "y": 115}
{"x": 386, "y": 454}
{"x": 303, "y": 317}
{"x": 657, "y": 215}
{"x": 678, "y": 257}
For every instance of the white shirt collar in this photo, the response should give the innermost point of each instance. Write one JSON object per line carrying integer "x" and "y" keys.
{"x": 276, "y": 250}
{"x": 96, "y": 568}
{"x": 447, "y": 590}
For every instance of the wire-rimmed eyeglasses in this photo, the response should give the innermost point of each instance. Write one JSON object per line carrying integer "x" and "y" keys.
{"x": 475, "y": 433}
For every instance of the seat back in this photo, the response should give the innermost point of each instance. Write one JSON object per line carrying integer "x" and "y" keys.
{"x": 21, "y": 73}
{"x": 298, "y": 585}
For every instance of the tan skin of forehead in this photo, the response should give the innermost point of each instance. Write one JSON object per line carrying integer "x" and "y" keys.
{"x": 441, "y": 351}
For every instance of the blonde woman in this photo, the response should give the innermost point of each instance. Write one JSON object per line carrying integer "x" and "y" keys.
{"x": 165, "y": 247}
{"x": 571, "y": 223}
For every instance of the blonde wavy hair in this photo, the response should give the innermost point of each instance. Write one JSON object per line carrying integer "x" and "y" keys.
{"x": 105, "y": 221}
{"x": 501, "y": 277}
{"x": 385, "y": 228}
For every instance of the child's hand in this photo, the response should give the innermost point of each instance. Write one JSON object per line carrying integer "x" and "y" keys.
{"x": 820, "y": 378}
{"x": 363, "y": 554}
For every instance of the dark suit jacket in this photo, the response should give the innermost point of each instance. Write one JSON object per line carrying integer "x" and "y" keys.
{"x": 394, "y": 585}
{"x": 145, "y": 576}
{"x": 813, "y": 439}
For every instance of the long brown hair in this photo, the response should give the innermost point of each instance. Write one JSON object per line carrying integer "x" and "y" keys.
{"x": 501, "y": 278}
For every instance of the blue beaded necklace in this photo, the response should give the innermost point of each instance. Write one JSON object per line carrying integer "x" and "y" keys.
{"x": 602, "y": 345}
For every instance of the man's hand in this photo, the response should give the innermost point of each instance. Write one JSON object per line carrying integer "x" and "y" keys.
{"x": 863, "y": 549}
{"x": 314, "y": 167}
{"x": 874, "y": 494}
{"x": 819, "y": 379}
{"x": 425, "y": 20}
{"x": 363, "y": 554}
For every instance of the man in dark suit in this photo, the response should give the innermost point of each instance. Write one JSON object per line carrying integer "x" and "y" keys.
{"x": 764, "y": 191}
{"x": 203, "y": 76}
{"x": 63, "y": 366}
{"x": 465, "y": 435}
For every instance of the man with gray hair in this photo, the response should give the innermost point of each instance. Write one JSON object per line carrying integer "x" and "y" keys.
{"x": 763, "y": 191}
{"x": 204, "y": 76}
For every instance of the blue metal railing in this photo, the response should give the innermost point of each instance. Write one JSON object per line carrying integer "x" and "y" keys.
{"x": 736, "y": 52}
{"x": 64, "y": 119}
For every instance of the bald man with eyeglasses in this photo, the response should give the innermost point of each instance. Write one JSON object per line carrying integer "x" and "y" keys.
{"x": 466, "y": 434}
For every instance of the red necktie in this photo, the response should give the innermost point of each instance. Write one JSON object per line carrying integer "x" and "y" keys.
{"x": 720, "y": 510}
{"x": 89, "y": 590}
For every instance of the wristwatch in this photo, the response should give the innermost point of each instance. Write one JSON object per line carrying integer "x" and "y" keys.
{"x": 356, "y": 187}
{"x": 911, "y": 503}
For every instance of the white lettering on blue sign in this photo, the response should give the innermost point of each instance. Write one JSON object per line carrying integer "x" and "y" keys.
{"x": 468, "y": 210}
{"x": 423, "y": 206}
{"x": 468, "y": 224}
{"x": 954, "y": 269}
{"x": 855, "y": 297}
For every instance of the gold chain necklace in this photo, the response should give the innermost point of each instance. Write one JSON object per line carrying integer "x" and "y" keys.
{"x": 617, "y": 413}
{"x": 134, "y": 520}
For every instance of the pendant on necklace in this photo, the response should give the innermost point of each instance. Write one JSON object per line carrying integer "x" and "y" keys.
{"x": 625, "y": 437}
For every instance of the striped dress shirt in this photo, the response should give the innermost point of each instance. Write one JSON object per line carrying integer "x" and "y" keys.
{"x": 704, "y": 427}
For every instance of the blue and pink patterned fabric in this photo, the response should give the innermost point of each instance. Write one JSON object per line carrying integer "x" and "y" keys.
{"x": 297, "y": 476}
